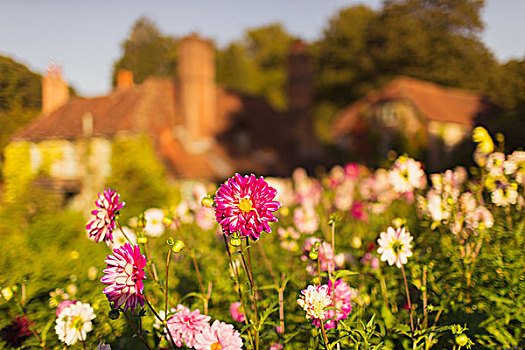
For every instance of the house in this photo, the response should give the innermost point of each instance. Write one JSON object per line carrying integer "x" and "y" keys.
{"x": 197, "y": 129}
{"x": 411, "y": 116}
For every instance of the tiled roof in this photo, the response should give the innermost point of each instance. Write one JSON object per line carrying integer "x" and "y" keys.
{"x": 151, "y": 107}
{"x": 432, "y": 101}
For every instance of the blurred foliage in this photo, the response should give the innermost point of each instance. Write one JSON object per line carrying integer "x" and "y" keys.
{"x": 20, "y": 99}
{"x": 137, "y": 173}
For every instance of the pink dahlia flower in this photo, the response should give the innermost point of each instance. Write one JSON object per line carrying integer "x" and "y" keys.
{"x": 245, "y": 205}
{"x": 220, "y": 336}
{"x": 236, "y": 312}
{"x": 124, "y": 276}
{"x": 185, "y": 325}
{"x": 343, "y": 295}
{"x": 103, "y": 223}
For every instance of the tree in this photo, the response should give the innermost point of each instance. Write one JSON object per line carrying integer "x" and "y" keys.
{"x": 257, "y": 64}
{"x": 20, "y": 98}
{"x": 343, "y": 65}
{"x": 19, "y": 87}
{"x": 147, "y": 52}
{"x": 236, "y": 69}
{"x": 435, "y": 40}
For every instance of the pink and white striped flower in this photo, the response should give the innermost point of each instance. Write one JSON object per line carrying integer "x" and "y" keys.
{"x": 103, "y": 223}
{"x": 124, "y": 277}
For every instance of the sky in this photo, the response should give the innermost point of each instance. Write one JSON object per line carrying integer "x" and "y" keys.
{"x": 85, "y": 37}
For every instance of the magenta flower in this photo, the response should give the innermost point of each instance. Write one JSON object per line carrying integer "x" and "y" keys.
{"x": 185, "y": 325}
{"x": 343, "y": 295}
{"x": 245, "y": 205}
{"x": 220, "y": 336}
{"x": 124, "y": 276}
{"x": 103, "y": 223}
{"x": 236, "y": 312}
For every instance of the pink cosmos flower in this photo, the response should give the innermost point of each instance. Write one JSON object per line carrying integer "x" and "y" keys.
{"x": 343, "y": 296}
{"x": 236, "y": 312}
{"x": 185, "y": 325}
{"x": 64, "y": 304}
{"x": 103, "y": 222}
{"x": 276, "y": 346}
{"x": 124, "y": 276}
{"x": 245, "y": 204}
{"x": 220, "y": 336}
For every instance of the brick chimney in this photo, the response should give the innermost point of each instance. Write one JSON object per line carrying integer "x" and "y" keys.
{"x": 55, "y": 92}
{"x": 300, "y": 76}
{"x": 196, "y": 72}
{"x": 124, "y": 79}
{"x": 300, "y": 97}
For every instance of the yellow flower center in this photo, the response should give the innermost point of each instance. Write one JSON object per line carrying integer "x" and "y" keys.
{"x": 245, "y": 205}
{"x": 216, "y": 346}
{"x": 76, "y": 322}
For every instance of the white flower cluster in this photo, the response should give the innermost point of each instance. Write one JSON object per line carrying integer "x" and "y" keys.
{"x": 74, "y": 322}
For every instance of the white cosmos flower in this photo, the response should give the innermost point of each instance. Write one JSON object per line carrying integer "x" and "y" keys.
{"x": 406, "y": 175}
{"x": 154, "y": 226}
{"x": 119, "y": 238}
{"x": 394, "y": 246}
{"x": 74, "y": 322}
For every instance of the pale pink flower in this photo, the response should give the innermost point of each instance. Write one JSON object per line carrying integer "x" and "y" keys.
{"x": 124, "y": 276}
{"x": 236, "y": 312}
{"x": 64, "y": 304}
{"x": 185, "y": 325}
{"x": 205, "y": 218}
{"x": 344, "y": 196}
{"x": 103, "y": 223}
{"x": 394, "y": 246}
{"x": 288, "y": 237}
{"x": 306, "y": 220}
{"x": 343, "y": 296}
{"x": 154, "y": 222}
{"x": 276, "y": 346}
{"x": 220, "y": 336}
{"x": 314, "y": 300}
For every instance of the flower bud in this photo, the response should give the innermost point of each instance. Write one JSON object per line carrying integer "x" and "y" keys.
{"x": 397, "y": 222}
{"x": 461, "y": 339}
{"x": 7, "y": 293}
{"x": 207, "y": 202}
{"x": 170, "y": 241}
{"x": 356, "y": 242}
{"x": 142, "y": 240}
{"x": 235, "y": 241}
{"x": 177, "y": 246}
{"x": 113, "y": 314}
{"x": 167, "y": 221}
{"x": 314, "y": 254}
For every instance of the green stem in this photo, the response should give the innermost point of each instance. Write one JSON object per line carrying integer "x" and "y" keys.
{"x": 204, "y": 296}
{"x": 135, "y": 330}
{"x": 254, "y": 293}
{"x": 166, "y": 288}
{"x": 164, "y": 321}
{"x": 409, "y": 303}
{"x": 238, "y": 287}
